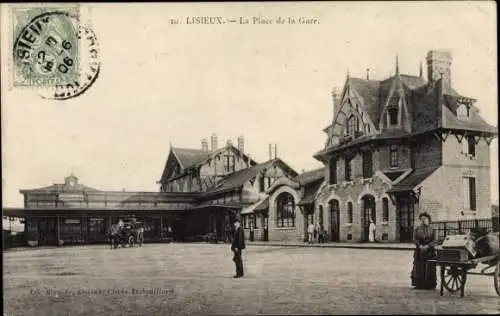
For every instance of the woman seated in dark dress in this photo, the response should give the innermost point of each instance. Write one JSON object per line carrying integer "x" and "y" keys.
{"x": 423, "y": 275}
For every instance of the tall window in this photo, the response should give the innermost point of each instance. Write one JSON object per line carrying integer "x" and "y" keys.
{"x": 385, "y": 210}
{"x": 471, "y": 146}
{"x": 367, "y": 165}
{"x": 469, "y": 187}
{"x": 349, "y": 212}
{"x": 229, "y": 163}
{"x": 333, "y": 171}
{"x": 320, "y": 219}
{"x": 285, "y": 216}
{"x": 262, "y": 183}
{"x": 393, "y": 156}
{"x": 393, "y": 116}
{"x": 351, "y": 125}
{"x": 463, "y": 112}
{"x": 347, "y": 168}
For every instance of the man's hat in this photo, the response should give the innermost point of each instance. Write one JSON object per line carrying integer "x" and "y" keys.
{"x": 237, "y": 219}
{"x": 425, "y": 214}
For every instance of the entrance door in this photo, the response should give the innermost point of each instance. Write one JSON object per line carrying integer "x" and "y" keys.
{"x": 368, "y": 212}
{"x": 178, "y": 229}
{"x": 47, "y": 232}
{"x": 334, "y": 220}
{"x": 265, "y": 227}
{"x": 308, "y": 219}
{"x": 406, "y": 218}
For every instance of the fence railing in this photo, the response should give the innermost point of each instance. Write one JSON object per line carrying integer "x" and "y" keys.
{"x": 444, "y": 229}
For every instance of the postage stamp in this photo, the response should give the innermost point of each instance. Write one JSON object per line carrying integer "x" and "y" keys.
{"x": 45, "y": 49}
{"x": 53, "y": 52}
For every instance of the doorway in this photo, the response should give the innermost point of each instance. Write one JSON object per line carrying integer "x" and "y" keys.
{"x": 47, "y": 232}
{"x": 334, "y": 220}
{"x": 368, "y": 212}
{"x": 406, "y": 215}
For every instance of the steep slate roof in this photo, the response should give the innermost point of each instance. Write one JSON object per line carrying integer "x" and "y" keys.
{"x": 431, "y": 106}
{"x": 238, "y": 178}
{"x": 474, "y": 123}
{"x": 189, "y": 157}
{"x": 310, "y": 192}
{"x": 311, "y": 176}
{"x": 264, "y": 205}
{"x": 412, "y": 180}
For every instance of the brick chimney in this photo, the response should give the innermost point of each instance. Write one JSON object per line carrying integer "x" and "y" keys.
{"x": 241, "y": 144}
{"x": 214, "y": 142}
{"x": 439, "y": 66}
{"x": 204, "y": 144}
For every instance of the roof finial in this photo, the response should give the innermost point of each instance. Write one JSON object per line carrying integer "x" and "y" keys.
{"x": 397, "y": 65}
{"x": 348, "y": 73}
{"x": 421, "y": 70}
{"x": 170, "y": 143}
{"x": 367, "y": 73}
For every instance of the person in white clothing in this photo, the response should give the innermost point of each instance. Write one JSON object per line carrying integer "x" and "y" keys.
{"x": 310, "y": 232}
{"x": 371, "y": 231}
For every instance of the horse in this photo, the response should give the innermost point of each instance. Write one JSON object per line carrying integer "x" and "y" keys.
{"x": 488, "y": 245}
{"x": 114, "y": 236}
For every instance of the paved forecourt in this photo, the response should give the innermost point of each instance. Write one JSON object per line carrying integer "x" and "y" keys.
{"x": 187, "y": 279}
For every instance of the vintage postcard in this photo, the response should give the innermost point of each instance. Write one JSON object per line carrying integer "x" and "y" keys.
{"x": 250, "y": 158}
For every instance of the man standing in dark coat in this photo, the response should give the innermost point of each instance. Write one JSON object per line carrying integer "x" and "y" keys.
{"x": 237, "y": 247}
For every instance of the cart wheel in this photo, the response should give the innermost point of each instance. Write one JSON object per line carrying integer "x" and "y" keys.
{"x": 453, "y": 279}
{"x": 496, "y": 278}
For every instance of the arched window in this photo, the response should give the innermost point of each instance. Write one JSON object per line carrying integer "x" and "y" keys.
{"x": 320, "y": 220}
{"x": 463, "y": 112}
{"x": 349, "y": 212}
{"x": 285, "y": 212}
{"x": 385, "y": 210}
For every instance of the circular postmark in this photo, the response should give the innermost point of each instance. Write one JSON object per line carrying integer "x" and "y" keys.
{"x": 56, "y": 55}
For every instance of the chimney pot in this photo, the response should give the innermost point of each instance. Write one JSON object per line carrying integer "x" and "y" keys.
{"x": 336, "y": 97}
{"x": 204, "y": 144}
{"x": 214, "y": 142}
{"x": 241, "y": 144}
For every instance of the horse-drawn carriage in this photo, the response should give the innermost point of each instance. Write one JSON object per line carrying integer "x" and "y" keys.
{"x": 131, "y": 233}
{"x": 459, "y": 255}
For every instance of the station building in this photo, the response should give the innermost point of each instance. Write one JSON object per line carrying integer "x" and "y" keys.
{"x": 395, "y": 147}
{"x": 401, "y": 146}
{"x": 202, "y": 191}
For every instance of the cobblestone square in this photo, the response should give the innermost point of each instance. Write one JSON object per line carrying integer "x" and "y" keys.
{"x": 182, "y": 279}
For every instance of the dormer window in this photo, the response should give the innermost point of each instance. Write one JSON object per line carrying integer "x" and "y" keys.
{"x": 393, "y": 116}
{"x": 463, "y": 112}
{"x": 352, "y": 125}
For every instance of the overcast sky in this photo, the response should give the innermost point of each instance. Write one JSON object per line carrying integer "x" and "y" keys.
{"x": 163, "y": 83}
